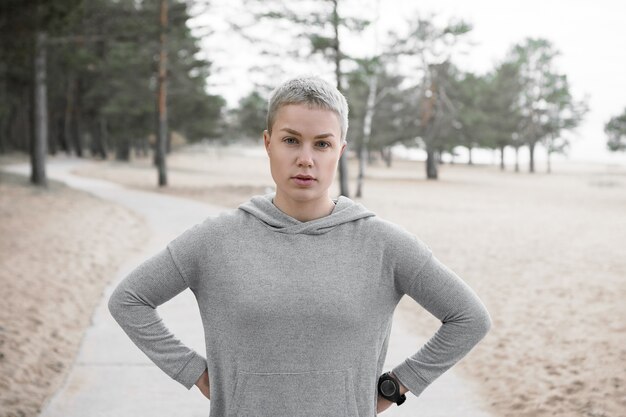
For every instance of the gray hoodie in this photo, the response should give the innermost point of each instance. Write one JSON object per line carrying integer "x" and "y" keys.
{"x": 297, "y": 315}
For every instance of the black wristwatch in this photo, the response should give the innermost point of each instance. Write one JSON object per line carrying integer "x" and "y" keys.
{"x": 389, "y": 389}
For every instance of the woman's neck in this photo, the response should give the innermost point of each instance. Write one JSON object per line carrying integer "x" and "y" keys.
{"x": 307, "y": 210}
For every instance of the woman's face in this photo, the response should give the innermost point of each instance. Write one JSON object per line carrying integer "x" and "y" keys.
{"x": 304, "y": 149}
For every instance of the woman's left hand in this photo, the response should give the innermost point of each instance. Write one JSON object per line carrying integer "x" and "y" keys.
{"x": 203, "y": 384}
{"x": 382, "y": 404}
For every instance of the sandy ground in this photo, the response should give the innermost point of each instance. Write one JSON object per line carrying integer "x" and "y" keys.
{"x": 58, "y": 250}
{"x": 544, "y": 252}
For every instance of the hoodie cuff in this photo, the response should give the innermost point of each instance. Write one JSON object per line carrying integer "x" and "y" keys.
{"x": 410, "y": 378}
{"x": 191, "y": 372}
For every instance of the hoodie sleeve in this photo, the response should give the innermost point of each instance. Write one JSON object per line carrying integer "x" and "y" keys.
{"x": 133, "y": 305}
{"x": 465, "y": 320}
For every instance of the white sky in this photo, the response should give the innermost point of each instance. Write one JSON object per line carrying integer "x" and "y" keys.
{"x": 591, "y": 36}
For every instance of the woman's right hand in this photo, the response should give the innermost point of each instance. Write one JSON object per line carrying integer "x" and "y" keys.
{"x": 203, "y": 384}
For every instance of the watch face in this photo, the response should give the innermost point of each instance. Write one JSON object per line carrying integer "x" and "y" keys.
{"x": 388, "y": 388}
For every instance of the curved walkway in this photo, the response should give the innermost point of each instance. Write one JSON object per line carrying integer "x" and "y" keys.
{"x": 112, "y": 377}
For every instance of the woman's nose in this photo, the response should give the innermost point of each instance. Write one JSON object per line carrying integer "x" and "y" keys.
{"x": 305, "y": 158}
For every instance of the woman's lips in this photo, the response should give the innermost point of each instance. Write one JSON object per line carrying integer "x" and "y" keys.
{"x": 304, "y": 181}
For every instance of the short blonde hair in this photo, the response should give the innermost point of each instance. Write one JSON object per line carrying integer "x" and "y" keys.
{"x": 312, "y": 91}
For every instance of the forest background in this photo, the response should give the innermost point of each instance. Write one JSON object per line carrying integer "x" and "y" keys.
{"x": 116, "y": 76}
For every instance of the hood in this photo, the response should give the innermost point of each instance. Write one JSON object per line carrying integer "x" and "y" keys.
{"x": 262, "y": 208}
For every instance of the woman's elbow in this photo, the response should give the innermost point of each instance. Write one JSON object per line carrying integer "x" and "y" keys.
{"x": 481, "y": 322}
{"x": 116, "y": 303}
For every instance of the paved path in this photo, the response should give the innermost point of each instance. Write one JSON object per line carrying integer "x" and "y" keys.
{"x": 111, "y": 377}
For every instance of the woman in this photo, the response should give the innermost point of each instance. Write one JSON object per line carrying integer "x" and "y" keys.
{"x": 297, "y": 290}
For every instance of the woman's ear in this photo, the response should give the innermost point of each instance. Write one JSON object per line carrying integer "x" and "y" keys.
{"x": 266, "y": 141}
{"x": 343, "y": 148}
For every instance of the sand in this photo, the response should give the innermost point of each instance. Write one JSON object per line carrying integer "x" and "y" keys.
{"x": 546, "y": 253}
{"x": 59, "y": 248}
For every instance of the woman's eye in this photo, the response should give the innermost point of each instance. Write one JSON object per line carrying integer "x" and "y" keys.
{"x": 323, "y": 144}
{"x": 290, "y": 140}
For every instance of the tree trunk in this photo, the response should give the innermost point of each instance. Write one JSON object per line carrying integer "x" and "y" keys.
{"x": 61, "y": 138}
{"x": 431, "y": 164}
{"x": 97, "y": 145}
{"x": 371, "y": 158}
{"x": 53, "y": 133}
{"x": 4, "y": 130}
{"x": 531, "y": 149}
{"x": 549, "y": 170}
{"x": 4, "y": 120}
{"x": 69, "y": 115}
{"x": 367, "y": 132}
{"x": 161, "y": 144}
{"x": 142, "y": 147}
{"x": 145, "y": 147}
{"x": 517, "y": 159}
{"x": 40, "y": 142}
{"x": 502, "y": 158}
{"x": 122, "y": 149}
{"x": 343, "y": 161}
{"x": 100, "y": 138}
{"x": 343, "y": 173}
{"x": 78, "y": 121}
{"x": 104, "y": 132}
{"x": 362, "y": 162}
{"x": 469, "y": 150}
{"x": 385, "y": 153}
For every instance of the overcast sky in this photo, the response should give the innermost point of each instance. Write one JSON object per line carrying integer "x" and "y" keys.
{"x": 591, "y": 36}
